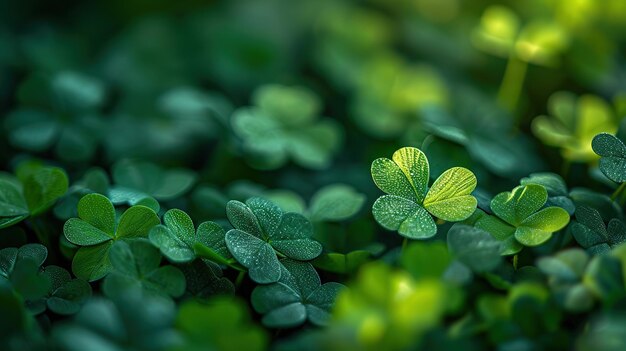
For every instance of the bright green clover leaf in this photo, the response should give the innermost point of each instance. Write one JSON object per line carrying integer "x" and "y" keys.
{"x": 221, "y": 324}
{"x": 136, "y": 266}
{"x": 180, "y": 242}
{"x": 35, "y": 192}
{"x": 565, "y": 271}
{"x": 150, "y": 180}
{"x": 205, "y": 279}
{"x": 284, "y": 125}
{"x": 335, "y": 202}
{"x": 474, "y": 247}
{"x": 95, "y": 231}
{"x": 612, "y": 152}
{"x": 20, "y": 268}
{"x": 297, "y": 297}
{"x": 262, "y": 231}
{"x": 573, "y": 123}
{"x": 406, "y": 208}
{"x": 558, "y": 194}
{"x": 521, "y": 219}
{"x": 66, "y": 295}
{"x": 592, "y": 234}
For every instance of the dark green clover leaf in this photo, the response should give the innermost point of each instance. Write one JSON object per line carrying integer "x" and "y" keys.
{"x": 66, "y": 295}
{"x": 612, "y": 152}
{"x": 592, "y": 234}
{"x": 558, "y": 194}
{"x": 136, "y": 179}
{"x": 474, "y": 247}
{"x": 36, "y": 191}
{"x": 335, "y": 202}
{"x": 95, "y": 180}
{"x": 565, "y": 272}
{"x": 409, "y": 205}
{"x": 262, "y": 231}
{"x": 221, "y": 324}
{"x": 21, "y": 269}
{"x": 130, "y": 321}
{"x": 205, "y": 279}
{"x": 136, "y": 266}
{"x": 284, "y": 125}
{"x": 520, "y": 218}
{"x": 67, "y": 118}
{"x": 297, "y": 297}
{"x": 95, "y": 231}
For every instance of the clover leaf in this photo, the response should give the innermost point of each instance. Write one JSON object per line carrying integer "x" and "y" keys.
{"x": 284, "y": 125}
{"x": 135, "y": 265}
{"x": 558, "y": 194}
{"x": 35, "y": 192}
{"x": 205, "y": 279}
{"x": 297, "y": 297}
{"x": 565, "y": 271}
{"x": 612, "y": 152}
{"x": 409, "y": 205}
{"x": 67, "y": 119}
{"x": 66, "y": 295}
{"x": 474, "y": 247}
{"x": 21, "y": 269}
{"x": 95, "y": 180}
{"x": 179, "y": 242}
{"x": 262, "y": 231}
{"x": 96, "y": 230}
{"x": 572, "y": 124}
{"x": 221, "y": 324}
{"x": 520, "y": 218}
{"x": 149, "y": 180}
{"x": 592, "y": 234}
{"x": 335, "y": 202}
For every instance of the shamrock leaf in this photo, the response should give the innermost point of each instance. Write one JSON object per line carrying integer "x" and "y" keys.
{"x": 335, "y": 202}
{"x": 95, "y": 231}
{"x": 66, "y": 295}
{"x": 136, "y": 266}
{"x": 21, "y": 269}
{"x": 221, "y": 324}
{"x": 612, "y": 152}
{"x": 261, "y": 232}
{"x": 95, "y": 180}
{"x": 474, "y": 247}
{"x": 520, "y": 219}
{"x": 284, "y": 125}
{"x": 406, "y": 208}
{"x": 573, "y": 123}
{"x": 67, "y": 119}
{"x": 565, "y": 271}
{"x": 150, "y": 180}
{"x": 557, "y": 190}
{"x": 179, "y": 242}
{"x": 205, "y": 279}
{"x": 297, "y": 297}
{"x": 591, "y": 233}
{"x": 35, "y": 192}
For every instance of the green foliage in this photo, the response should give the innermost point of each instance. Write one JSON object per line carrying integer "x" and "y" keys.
{"x": 592, "y": 234}
{"x": 612, "y": 152}
{"x": 410, "y": 203}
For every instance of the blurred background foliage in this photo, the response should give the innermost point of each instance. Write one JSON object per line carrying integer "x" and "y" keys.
{"x": 191, "y": 104}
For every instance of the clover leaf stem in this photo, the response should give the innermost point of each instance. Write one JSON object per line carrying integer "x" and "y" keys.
{"x": 618, "y": 191}
{"x": 239, "y": 279}
{"x": 512, "y": 83}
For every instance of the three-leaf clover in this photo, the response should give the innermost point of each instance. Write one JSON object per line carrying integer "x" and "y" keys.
{"x": 262, "y": 231}
{"x": 31, "y": 195}
{"x": 96, "y": 230}
{"x": 612, "y": 152}
{"x": 136, "y": 266}
{"x": 180, "y": 242}
{"x": 572, "y": 124}
{"x": 66, "y": 295}
{"x": 21, "y": 269}
{"x": 284, "y": 125}
{"x": 592, "y": 234}
{"x": 520, "y": 218}
{"x": 410, "y": 204}
{"x": 297, "y": 297}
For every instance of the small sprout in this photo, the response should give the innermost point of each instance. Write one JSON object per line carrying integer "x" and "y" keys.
{"x": 409, "y": 205}
{"x": 262, "y": 231}
{"x": 135, "y": 265}
{"x": 96, "y": 230}
{"x": 297, "y": 297}
{"x": 520, "y": 218}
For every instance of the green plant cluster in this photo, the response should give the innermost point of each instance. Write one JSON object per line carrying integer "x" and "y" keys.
{"x": 313, "y": 175}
